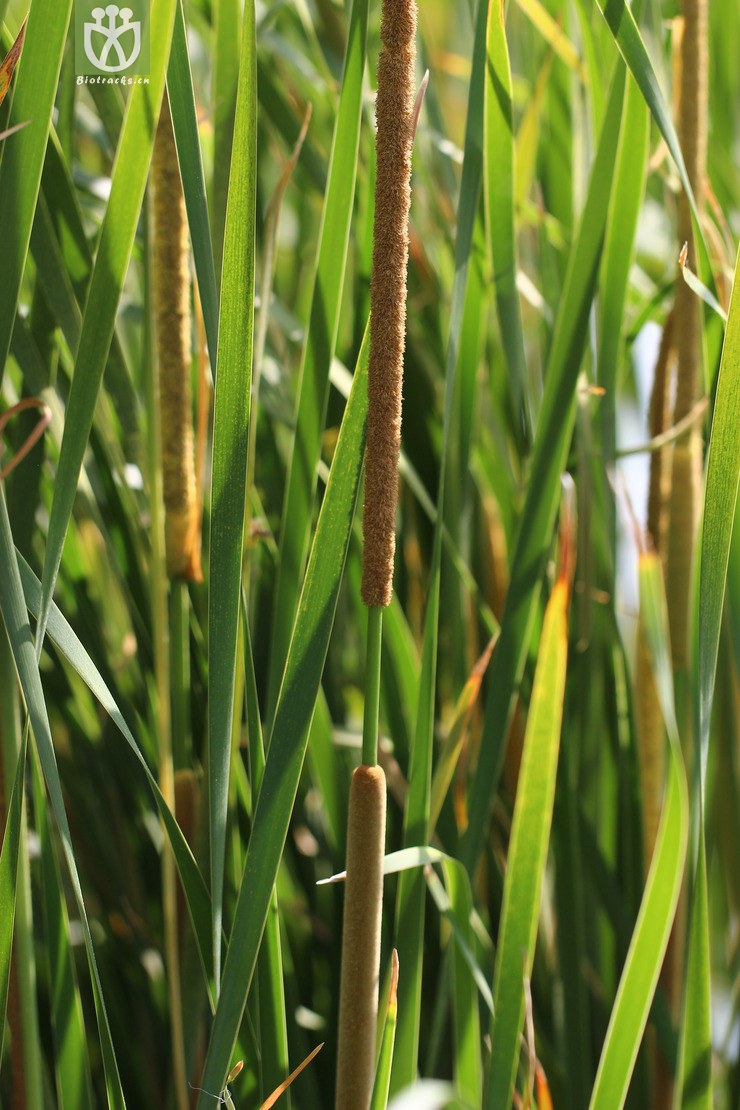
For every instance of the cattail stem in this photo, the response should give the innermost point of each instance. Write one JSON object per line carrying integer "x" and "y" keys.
{"x": 395, "y": 133}
{"x": 363, "y": 900}
{"x": 372, "y": 686}
{"x": 172, "y": 308}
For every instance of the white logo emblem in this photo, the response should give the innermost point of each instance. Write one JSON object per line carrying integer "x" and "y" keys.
{"x": 106, "y": 36}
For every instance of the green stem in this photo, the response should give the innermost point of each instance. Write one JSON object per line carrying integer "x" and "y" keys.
{"x": 182, "y": 739}
{"x": 372, "y": 691}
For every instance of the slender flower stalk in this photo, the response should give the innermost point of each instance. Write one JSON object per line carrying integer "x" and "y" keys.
{"x": 396, "y": 114}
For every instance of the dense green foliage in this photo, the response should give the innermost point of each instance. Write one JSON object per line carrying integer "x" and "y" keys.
{"x": 543, "y": 262}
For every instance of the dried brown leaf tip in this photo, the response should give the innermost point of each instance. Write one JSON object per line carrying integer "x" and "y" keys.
{"x": 395, "y": 109}
{"x": 10, "y": 62}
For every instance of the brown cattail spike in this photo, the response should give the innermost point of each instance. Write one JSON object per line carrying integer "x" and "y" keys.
{"x": 363, "y": 900}
{"x": 395, "y": 133}
{"x": 172, "y": 304}
{"x": 659, "y": 420}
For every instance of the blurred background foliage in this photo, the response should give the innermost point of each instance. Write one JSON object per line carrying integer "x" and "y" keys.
{"x": 562, "y": 58}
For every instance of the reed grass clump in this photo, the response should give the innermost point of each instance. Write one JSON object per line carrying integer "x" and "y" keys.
{"x": 171, "y": 257}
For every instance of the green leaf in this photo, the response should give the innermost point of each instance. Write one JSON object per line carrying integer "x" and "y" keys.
{"x": 13, "y": 610}
{"x": 467, "y": 1054}
{"x": 321, "y": 336}
{"x": 527, "y": 854}
{"x": 410, "y": 902}
{"x": 381, "y": 1086}
{"x": 71, "y": 1063}
{"x": 229, "y": 476}
{"x": 629, "y": 189}
{"x": 227, "y": 34}
{"x": 652, "y": 929}
{"x": 552, "y": 440}
{"x": 68, "y": 643}
{"x": 273, "y": 1033}
{"x": 185, "y": 126}
{"x": 720, "y": 500}
{"x": 111, "y": 262}
{"x": 627, "y": 36}
{"x": 8, "y": 872}
{"x": 23, "y": 157}
{"x": 695, "y": 1081}
{"x": 287, "y": 749}
{"x": 499, "y": 197}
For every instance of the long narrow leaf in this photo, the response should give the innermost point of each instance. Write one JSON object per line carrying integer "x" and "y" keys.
{"x": 229, "y": 479}
{"x": 111, "y": 262}
{"x": 527, "y": 855}
{"x": 185, "y": 126}
{"x": 723, "y": 471}
{"x": 695, "y": 1079}
{"x": 12, "y": 606}
{"x": 554, "y": 429}
{"x": 627, "y": 36}
{"x": 319, "y": 346}
{"x": 652, "y": 929}
{"x": 71, "y": 1063}
{"x": 410, "y": 903}
{"x": 68, "y": 643}
{"x": 287, "y": 749}
{"x": 23, "y": 156}
{"x": 8, "y": 872}
{"x": 499, "y": 194}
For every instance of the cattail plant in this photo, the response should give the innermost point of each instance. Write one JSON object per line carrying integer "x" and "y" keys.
{"x": 396, "y": 119}
{"x": 173, "y": 327}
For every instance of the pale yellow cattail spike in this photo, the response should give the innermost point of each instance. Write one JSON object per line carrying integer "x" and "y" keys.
{"x": 171, "y": 263}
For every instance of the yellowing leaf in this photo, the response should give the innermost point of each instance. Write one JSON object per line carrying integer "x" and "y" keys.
{"x": 293, "y": 1075}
